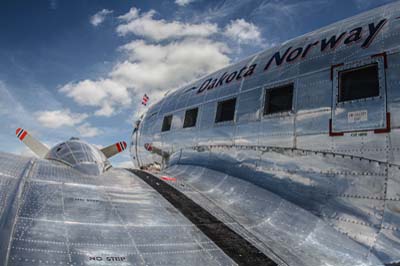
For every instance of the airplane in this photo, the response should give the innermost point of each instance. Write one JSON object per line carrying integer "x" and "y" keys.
{"x": 288, "y": 157}
{"x": 69, "y": 206}
{"x": 296, "y": 148}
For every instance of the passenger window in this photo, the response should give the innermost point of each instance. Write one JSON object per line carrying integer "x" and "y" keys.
{"x": 226, "y": 110}
{"x": 358, "y": 83}
{"x": 190, "y": 118}
{"x": 166, "y": 125}
{"x": 278, "y": 100}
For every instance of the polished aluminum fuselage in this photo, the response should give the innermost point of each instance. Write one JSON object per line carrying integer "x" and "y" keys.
{"x": 316, "y": 158}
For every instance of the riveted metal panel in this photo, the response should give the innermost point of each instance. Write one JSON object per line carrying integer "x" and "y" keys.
{"x": 386, "y": 245}
{"x": 273, "y": 220}
{"x": 292, "y": 185}
{"x": 313, "y": 122}
{"x": 320, "y": 142}
{"x": 247, "y": 134}
{"x": 65, "y": 218}
{"x": 249, "y": 106}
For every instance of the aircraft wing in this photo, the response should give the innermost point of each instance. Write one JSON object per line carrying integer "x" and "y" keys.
{"x": 51, "y": 214}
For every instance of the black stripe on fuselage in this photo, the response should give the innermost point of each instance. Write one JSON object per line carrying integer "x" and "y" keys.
{"x": 235, "y": 246}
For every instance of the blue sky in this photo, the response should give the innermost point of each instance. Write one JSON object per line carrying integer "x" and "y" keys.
{"x": 80, "y": 68}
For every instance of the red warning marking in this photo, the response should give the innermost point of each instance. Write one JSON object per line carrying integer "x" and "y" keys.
{"x": 123, "y": 145}
{"x": 23, "y": 135}
{"x": 118, "y": 147}
{"x": 17, "y": 131}
{"x": 168, "y": 178}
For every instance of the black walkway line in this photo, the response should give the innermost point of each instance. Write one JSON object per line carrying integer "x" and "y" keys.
{"x": 235, "y": 246}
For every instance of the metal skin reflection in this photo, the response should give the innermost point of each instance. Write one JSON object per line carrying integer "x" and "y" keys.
{"x": 315, "y": 185}
{"x": 81, "y": 156}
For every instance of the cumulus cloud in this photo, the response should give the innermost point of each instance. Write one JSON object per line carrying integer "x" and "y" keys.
{"x": 151, "y": 69}
{"x": 183, "y": 2}
{"x": 132, "y": 14}
{"x": 59, "y": 118}
{"x": 86, "y": 130}
{"x": 107, "y": 94}
{"x": 146, "y": 26}
{"x": 243, "y": 31}
{"x": 99, "y": 17}
{"x": 164, "y": 55}
{"x": 156, "y": 66}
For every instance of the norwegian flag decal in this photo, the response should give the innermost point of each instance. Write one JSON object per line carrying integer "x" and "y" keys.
{"x": 21, "y": 133}
{"x": 121, "y": 146}
{"x": 145, "y": 99}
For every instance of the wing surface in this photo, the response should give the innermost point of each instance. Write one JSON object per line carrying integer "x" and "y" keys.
{"x": 53, "y": 215}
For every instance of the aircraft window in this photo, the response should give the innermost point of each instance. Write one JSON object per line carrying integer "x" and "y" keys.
{"x": 226, "y": 110}
{"x": 358, "y": 83}
{"x": 190, "y": 118}
{"x": 278, "y": 100}
{"x": 166, "y": 125}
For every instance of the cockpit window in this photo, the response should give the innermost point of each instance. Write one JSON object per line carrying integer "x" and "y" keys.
{"x": 79, "y": 155}
{"x": 166, "y": 126}
{"x": 60, "y": 147}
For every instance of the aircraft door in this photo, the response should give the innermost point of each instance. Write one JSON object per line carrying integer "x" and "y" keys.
{"x": 359, "y": 97}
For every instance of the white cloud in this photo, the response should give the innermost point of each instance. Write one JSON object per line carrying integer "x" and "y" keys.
{"x": 156, "y": 66}
{"x": 151, "y": 69}
{"x": 99, "y": 17}
{"x": 183, "y": 2}
{"x": 104, "y": 93}
{"x": 59, "y": 118}
{"x": 132, "y": 14}
{"x": 125, "y": 164}
{"x": 170, "y": 54}
{"x": 105, "y": 110}
{"x": 146, "y": 26}
{"x": 86, "y": 130}
{"x": 243, "y": 31}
